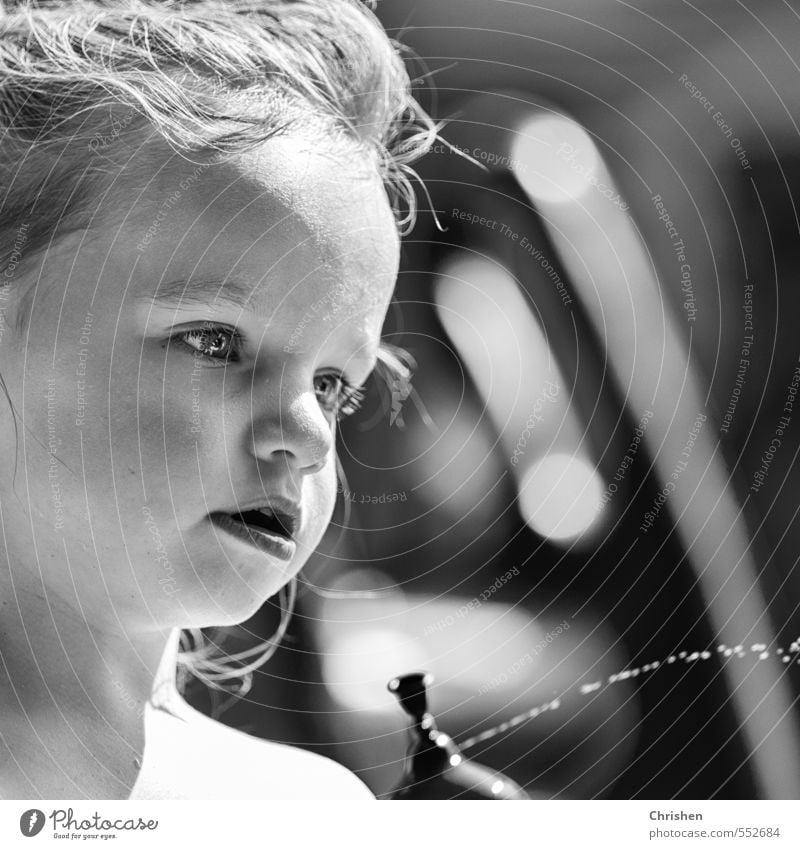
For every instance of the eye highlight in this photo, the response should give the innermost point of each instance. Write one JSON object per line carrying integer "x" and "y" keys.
{"x": 336, "y": 395}
{"x": 213, "y": 342}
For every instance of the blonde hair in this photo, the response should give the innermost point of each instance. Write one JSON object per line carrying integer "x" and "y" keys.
{"x": 215, "y": 77}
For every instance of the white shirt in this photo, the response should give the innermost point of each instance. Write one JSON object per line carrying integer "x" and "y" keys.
{"x": 191, "y": 756}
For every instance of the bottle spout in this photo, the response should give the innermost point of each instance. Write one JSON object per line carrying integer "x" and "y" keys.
{"x": 412, "y": 693}
{"x": 435, "y": 767}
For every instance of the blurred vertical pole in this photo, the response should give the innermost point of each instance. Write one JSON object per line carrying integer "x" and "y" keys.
{"x": 652, "y": 363}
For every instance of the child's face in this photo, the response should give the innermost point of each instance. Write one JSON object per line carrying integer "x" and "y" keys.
{"x": 152, "y": 437}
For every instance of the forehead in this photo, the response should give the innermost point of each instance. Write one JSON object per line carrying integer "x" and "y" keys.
{"x": 291, "y": 226}
{"x": 295, "y": 228}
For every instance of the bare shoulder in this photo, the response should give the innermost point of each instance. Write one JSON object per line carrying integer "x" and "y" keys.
{"x": 190, "y": 756}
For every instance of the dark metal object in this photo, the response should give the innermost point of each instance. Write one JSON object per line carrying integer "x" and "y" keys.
{"x": 436, "y": 768}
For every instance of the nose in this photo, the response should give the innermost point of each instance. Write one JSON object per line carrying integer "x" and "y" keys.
{"x": 293, "y": 430}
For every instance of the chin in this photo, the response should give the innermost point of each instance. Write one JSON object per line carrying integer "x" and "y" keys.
{"x": 237, "y": 600}
{"x": 223, "y": 616}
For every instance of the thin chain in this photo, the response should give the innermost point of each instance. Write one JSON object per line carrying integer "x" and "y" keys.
{"x": 758, "y": 649}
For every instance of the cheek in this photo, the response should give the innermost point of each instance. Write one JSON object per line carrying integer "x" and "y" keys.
{"x": 319, "y": 501}
{"x": 327, "y": 489}
{"x": 60, "y": 450}
{"x": 121, "y": 432}
{"x": 182, "y": 446}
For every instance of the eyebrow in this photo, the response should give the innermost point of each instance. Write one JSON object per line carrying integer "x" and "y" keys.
{"x": 201, "y": 292}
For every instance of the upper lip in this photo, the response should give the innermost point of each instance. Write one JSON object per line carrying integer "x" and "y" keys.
{"x": 286, "y": 511}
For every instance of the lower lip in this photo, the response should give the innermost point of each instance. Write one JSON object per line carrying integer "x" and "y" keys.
{"x": 277, "y": 546}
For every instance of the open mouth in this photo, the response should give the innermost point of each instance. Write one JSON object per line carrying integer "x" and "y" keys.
{"x": 270, "y": 531}
{"x": 271, "y": 522}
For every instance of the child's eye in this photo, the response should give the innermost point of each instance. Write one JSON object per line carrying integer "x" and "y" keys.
{"x": 214, "y": 342}
{"x": 336, "y": 395}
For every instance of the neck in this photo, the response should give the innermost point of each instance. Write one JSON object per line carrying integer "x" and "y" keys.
{"x": 75, "y": 692}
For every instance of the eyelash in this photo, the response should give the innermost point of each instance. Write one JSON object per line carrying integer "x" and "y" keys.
{"x": 209, "y": 331}
{"x": 348, "y": 396}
